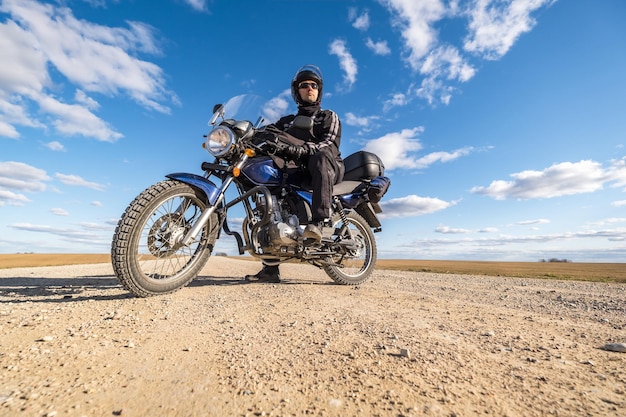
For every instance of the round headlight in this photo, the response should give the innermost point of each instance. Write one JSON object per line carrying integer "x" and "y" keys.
{"x": 219, "y": 141}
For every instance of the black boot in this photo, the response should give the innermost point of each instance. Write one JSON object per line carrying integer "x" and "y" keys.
{"x": 269, "y": 273}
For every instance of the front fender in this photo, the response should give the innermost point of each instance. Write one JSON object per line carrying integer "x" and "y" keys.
{"x": 205, "y": 185}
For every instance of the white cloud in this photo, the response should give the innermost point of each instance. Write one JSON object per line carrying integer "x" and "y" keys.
{"x": 74, "y": 119}
{"x": 620, "y": 203}
{"x": 277, "y": 107}
{"x": 412, "y": 205}
{"x": 530, "y": 247}
{"x": 353, "y": 120}
{"x": 451, "y": 230}
{"x": 96, "y": 226}
{"x": 8, "y": 130}
{"x": 22, "y": 177}
{"x": 443, "y": 63}
{"x": 11, "y": 198}
{"x": 364, "y": 123}
{"x": 459, "y": 230}
{"x": 396, "y": 100}
{"x": 55, "y": 146}
{"x": 17, "y": 177}
{"x": 346, "y": 61}
{"x": 566, "y": 178}
{"x": 534, "y": 221}
{"x": 84, "y": 99}
{"x": 441, "y": 156}
{"x": 416, "y": 21}
{"x": 496, "y": 26}
{"x": 609, "y": 221}
{"x": 199, "y": 5}
{"x": 397, "y": 150}
{"x": 394, "y": 148}
{"x": 360, "y": 22}
{"x": 379, "y": 48}
{"x": 59, "y": 212}
{"x": 72, "y": 235}
{"x": 617, "y": 173}
{"x": 99, "y": 3}
{"x": 38, "y": 37}
{"x": 75, "y": 180}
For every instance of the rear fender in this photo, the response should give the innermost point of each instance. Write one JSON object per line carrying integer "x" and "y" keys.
{"x": 203, "y": 184}
{"x": 368, "y": 211}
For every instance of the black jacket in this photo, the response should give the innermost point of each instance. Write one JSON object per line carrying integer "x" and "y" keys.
{"x": 325, "y": 133}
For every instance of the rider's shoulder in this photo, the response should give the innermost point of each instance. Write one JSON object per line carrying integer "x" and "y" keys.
{"x": 285, "y": 120}
{"x": 287, "y": 117}
{"x": 327, "y": 113}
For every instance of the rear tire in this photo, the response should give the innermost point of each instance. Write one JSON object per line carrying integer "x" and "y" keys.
{"x": 147, "y": 258}
{"x": 359, "y": 260}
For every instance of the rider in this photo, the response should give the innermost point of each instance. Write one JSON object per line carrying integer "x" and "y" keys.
{"x": 318, "y": 152}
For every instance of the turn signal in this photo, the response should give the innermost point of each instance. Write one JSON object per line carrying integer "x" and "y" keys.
{"x": 250, "y": 152}
{"x": 236, "y": 172}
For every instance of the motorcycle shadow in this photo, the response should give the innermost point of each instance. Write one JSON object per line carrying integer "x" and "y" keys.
{"x": 59, "y": 290}
{"x": 207, "y": 280}
{"x": 213, "y": 280}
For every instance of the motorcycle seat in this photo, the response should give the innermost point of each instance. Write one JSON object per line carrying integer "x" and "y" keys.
{"x": 348, "y": 187}
{"x": 342, "y": 188}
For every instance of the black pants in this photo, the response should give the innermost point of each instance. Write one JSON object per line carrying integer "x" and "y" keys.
{"x": 325, "y": 172}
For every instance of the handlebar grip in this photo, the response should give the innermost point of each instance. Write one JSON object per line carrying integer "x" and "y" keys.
{"x": 208, "y": 166}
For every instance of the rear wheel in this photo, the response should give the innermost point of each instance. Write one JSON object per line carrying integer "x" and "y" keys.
{"x": 356, "y": 245}
{"x": 146, "y": 254}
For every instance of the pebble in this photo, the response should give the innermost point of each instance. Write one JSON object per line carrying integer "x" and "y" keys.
{"x": 615, "y": 347}
{"x": 334, "y": 402}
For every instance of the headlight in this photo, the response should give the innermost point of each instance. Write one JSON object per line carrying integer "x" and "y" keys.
{"x": 219, "y": 141}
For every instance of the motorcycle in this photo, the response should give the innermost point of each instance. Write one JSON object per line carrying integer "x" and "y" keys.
{"x": 167, "y": 233}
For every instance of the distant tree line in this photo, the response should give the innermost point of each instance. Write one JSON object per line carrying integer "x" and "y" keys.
{"x": 555, "y": 260}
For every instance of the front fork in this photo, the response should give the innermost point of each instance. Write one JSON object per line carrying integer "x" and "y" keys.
{"x": 214, "y": 198}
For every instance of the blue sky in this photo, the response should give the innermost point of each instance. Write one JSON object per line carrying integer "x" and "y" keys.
{"x": 501, "y": 123}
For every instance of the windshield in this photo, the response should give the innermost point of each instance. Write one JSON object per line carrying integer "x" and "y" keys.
{"x": 248, "y": 107}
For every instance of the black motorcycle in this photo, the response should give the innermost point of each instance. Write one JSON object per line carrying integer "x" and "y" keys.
{"x": 167, "y": 233}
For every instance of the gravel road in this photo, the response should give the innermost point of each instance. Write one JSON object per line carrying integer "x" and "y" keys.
{"x": 74, "y": 343}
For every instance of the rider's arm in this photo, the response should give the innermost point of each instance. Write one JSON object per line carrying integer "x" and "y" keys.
{"x": 328, "y": 132}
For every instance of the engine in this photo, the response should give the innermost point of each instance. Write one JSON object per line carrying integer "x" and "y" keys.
{"x": 282, "y": 233}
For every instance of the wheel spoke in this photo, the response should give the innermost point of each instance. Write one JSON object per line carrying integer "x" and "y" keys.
{"x": 159, "y": 254}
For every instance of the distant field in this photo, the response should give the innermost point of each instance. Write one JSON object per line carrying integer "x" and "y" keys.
{"x": 41, "y": 259}
{"x": 599, "y": 272}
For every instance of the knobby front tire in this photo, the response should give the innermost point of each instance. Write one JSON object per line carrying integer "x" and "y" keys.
{"x": 147, "y": 258}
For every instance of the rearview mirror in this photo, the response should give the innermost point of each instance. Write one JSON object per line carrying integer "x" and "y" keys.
{"x": 218, "y": 111}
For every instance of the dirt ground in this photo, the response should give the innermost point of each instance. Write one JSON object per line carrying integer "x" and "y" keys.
{"x": 74, "y": 343}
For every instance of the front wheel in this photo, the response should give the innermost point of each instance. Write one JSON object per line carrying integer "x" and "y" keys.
{"x": 146, "y": 253}
{"x": 356, "y": 245}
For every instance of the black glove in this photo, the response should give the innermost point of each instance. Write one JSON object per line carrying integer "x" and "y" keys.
{"x": 263, "y": 136}
{"x": 296, "y": 152}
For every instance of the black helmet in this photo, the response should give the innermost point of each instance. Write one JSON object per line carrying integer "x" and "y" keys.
{"x": 307, "y": 72}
